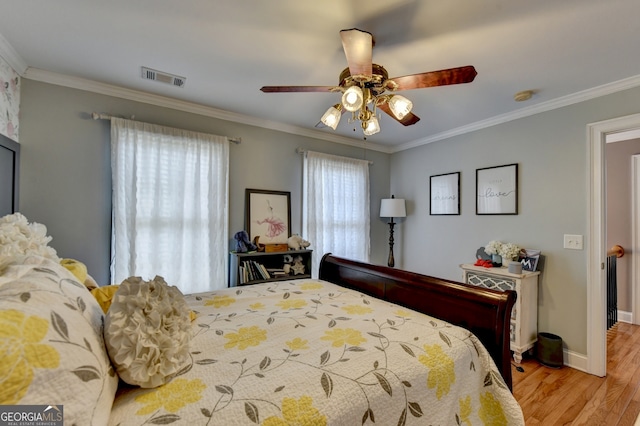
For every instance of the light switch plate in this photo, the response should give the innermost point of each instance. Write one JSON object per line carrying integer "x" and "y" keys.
{"x": 573, "y": 242}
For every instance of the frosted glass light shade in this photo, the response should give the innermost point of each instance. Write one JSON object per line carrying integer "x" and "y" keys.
{"x": 372, "y": 126}
{"x": 331, "y": 118}
{"x": 392, "y": 207}
{"x": 400, "y": 106}
{"x": 352, "y": 98}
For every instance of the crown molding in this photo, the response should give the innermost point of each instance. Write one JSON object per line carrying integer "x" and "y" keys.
{"x": 9, "y": 54}
{"x": 167, "y": 102}
{"x": 190, "y": 107}
{"x": 574, "y": 98}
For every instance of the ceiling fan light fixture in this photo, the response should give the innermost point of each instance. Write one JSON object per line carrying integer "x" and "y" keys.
{"x": 331, "y": 118}
{"x": 371, "y": 126}
{"x": 400, "y": 106}
{"x": 352, "y": 98}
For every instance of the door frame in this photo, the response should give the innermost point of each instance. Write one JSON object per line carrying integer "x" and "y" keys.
{"x": 635, "y": 238}
{"x": 596, "y": 241}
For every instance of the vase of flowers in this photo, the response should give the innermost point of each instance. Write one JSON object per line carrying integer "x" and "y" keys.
{"x": 509, "y": 252}
{"x": 502, "y": 253}
{"x": 493, "y": 249}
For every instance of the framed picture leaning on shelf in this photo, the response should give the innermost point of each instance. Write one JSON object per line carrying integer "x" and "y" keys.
{"x": 268, "y": 215}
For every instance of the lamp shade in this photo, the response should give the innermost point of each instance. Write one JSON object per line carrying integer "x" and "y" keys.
{"x": 392, "y": 207}
{"x": 372, "y": 126}
{"x": 331, "y": 118}
{"x": 352, "y": 98}
{"x": 400, "y": 106}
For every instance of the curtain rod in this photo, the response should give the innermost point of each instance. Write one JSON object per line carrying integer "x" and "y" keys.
{"x": 304, "y": 151}
{"x": 101, "y": 116}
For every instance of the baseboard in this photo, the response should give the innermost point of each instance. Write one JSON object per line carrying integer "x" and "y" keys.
{"x": 579, "y": 361}
{"x": 575, "y": 360}
{"x": 625, "y": 317}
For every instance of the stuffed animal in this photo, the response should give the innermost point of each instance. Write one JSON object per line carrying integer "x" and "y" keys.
{"x": 296, "y": 242}
{"x": 243, "y": 244}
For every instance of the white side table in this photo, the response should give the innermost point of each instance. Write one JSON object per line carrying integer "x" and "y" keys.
{"x": 524, "y": 316}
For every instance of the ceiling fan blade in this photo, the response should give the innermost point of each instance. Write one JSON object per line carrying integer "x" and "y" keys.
{"x": 436, "y": 78}
{"x": 407, "y": 120}
{"x": 285, "y": 89}
{"x": 358, "y": 46}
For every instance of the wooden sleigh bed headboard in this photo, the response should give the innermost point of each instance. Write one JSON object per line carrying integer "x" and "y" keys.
{"x": 486, "y": 313}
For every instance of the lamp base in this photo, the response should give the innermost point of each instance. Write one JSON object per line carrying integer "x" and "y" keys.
{"x": 391, "y": 262}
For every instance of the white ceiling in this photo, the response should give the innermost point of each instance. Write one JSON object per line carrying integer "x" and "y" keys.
{"x": 566, "y": 51}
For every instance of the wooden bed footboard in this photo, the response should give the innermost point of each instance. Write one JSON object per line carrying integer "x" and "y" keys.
{"x": 486, "y": 313}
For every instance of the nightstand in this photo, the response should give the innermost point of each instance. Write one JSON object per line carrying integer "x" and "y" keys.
{"x": 524, "y": 316}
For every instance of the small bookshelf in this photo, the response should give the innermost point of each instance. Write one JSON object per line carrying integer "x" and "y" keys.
{"x": 260, "y": 267}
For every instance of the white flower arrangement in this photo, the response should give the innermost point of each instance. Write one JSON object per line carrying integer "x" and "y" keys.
{"x": 509, "y": 251}
{"x": 493, "y": 247}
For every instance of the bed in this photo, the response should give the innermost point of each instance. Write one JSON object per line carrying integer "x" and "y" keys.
{"x": 290, "y": 352}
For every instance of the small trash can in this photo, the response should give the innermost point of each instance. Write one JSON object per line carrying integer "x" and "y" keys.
{"x": 549, "y": 350}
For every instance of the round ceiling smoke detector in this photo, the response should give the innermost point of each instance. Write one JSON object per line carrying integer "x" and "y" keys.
{"x": 525, "y": 95}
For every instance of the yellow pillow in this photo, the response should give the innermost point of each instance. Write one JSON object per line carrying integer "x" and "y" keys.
{"x": 104, "y": 296}
{"x": 77, "y": 268}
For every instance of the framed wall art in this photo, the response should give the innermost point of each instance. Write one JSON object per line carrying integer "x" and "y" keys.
{"x": 497, "y": 190}
{"x": 444, "y": 194}
{"x": 268, "y": 215}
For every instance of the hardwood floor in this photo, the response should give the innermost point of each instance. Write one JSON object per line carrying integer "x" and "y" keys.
{"x": 567, "y": 396}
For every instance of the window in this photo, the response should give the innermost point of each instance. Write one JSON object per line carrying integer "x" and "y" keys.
{"x": 170, "y": 193}
{"x": 335, "y": 211}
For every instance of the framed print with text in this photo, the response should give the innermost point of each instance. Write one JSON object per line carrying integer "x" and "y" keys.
{"x": 497, "y": 190}
{"x": 444, "y": 194}
{"x": 268, "y": 215}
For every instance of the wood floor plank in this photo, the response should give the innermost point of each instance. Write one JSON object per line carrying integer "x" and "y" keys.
{"x": 567, "y": 396}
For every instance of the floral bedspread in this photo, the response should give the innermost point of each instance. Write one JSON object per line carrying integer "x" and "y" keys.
{"x": 308, "y": 352}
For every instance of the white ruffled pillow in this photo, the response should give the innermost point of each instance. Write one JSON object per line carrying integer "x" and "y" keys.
{"x": 147, "y": 332}
{"x": 19, "y": 237}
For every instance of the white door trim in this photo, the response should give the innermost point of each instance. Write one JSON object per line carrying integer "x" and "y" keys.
{"x": 635, "y": 239}
{"x": 596, "y": 250}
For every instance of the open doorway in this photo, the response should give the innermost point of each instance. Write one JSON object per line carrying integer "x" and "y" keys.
{"x": 596, "y": 242}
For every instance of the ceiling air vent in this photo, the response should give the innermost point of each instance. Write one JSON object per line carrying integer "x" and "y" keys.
{"x": 163, "y": 77}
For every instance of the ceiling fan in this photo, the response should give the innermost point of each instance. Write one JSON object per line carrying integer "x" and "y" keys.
{"x": 364, "y": 84}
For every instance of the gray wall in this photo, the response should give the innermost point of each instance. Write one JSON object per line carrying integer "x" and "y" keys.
{"x": 551, "y": 150}
{"x": 65, "y": 179}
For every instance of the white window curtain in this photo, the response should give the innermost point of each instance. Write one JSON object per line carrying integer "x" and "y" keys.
{"x": 335, "y": 206}
{"x": 170, "y": 193}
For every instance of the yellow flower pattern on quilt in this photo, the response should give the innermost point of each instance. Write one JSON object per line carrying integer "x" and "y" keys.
{"x": 402, "y": 313}
{"x": 311, "y": 286}
{"x": 173, "y": 396}
{"x": 245, "y": 337}
{"x": 343, "y": 336}
{"x": 21, "y": 352}
{"x": 299, "y": 412}
{"x": 220, "y": 301}
{"x": 441, "y": 369}
{"x": 491, "y": 412}
{"x": 465, "y": 410}
{"x": 297, "y": 344}
{"x": 357, "y": 309}
{"x": 292, "y": 304}
{"x": 257, "y": 306}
